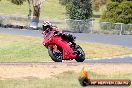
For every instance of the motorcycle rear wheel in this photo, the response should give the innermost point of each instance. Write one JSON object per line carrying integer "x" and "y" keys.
{"x": 55, "y": 56}
{"x": 81, "y": 55}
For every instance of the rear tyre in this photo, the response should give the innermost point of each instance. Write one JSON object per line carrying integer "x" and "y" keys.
{"x": 80, "y": 55}
{"x": 55, "y": 56}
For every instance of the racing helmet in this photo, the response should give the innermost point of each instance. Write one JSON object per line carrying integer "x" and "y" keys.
{"x": 46, "y": 24}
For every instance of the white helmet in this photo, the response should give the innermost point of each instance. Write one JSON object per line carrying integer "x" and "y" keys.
{"x": 46, "y": 24}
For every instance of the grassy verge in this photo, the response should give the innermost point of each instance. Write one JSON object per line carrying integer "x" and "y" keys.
{"x": 100, "y": 50}
{"x": 50, "y": 9}
{"x": 67, "y": 79}
{"x": 21, "y": 48}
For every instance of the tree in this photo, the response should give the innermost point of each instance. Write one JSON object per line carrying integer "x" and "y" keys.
{"x": 79, "y": 9}
{"x": 36, "y": 12}
{"x": 118, "y": 11}
{"x": 79, "y": 13}
{"x": 35, "y": 4}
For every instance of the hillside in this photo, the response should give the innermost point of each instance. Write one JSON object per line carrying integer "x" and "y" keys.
{"x": 50, "y": 9}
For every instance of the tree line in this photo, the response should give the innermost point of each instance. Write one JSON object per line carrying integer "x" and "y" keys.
{"x": 116, "y": 10}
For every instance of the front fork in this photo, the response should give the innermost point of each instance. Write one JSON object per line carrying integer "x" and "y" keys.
{"x": 73, "y": 46}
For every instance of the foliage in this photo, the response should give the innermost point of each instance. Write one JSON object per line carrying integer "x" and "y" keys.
{"x": 17, "y": 2}
{"x": 96, "y": 4}
{"x": 119, "y": 0}
{"x": 79, "y": 9}
{"x": 64, "y": 2}
{"x": 118, "y": 11}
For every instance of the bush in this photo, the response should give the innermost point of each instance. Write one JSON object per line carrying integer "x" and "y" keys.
{"x": 79, "y": 9}
{"x": 17, "y": 2}
{"x": 79, "y": 12}
{"x": 119, "y": 11}
{"x": 119, "y": 0}
{"x": 64, "y": 2}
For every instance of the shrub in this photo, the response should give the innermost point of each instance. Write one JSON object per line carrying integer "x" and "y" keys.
{"x": 79, "y": 9}
{"x": 64, "y": 2}
{"x": 118, "y": 11}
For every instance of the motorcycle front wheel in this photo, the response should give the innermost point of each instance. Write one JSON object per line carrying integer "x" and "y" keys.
{"x": 80, "y": 55}
{"x": 56, "y": 56}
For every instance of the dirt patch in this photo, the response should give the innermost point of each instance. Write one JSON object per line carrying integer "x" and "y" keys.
{"x": 42, "y": 71}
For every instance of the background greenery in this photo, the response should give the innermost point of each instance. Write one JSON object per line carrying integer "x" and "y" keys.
{"x": 79, "y": 9}
{"x": 118, "y": 11}
{"x": 112, "y": 10}
{"x": 50, "y": 9}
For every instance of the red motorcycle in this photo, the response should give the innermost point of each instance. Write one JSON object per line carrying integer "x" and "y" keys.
{"x": 61, "y": 46}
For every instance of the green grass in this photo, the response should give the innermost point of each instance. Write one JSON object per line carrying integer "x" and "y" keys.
{"x": 67, "y": 79}
{"x": 20, "y": 48}
{"x": 22, "y": 51}
{"x": 8, "y": 8}
{"x": 53, "y": 9}
{"x": 50, "y": 9}
{"x": 24, "y": 48}
{"x": 100, "y": 50}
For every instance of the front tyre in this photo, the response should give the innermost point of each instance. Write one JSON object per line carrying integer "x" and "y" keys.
{"x": 80, "y": 55}
{"x": 55, "y": 56}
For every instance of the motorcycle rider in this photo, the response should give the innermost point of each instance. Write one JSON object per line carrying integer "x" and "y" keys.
{"x": 47, "y": 27}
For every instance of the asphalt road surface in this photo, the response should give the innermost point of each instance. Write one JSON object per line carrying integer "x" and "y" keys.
{"x": 124, "y": 40}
